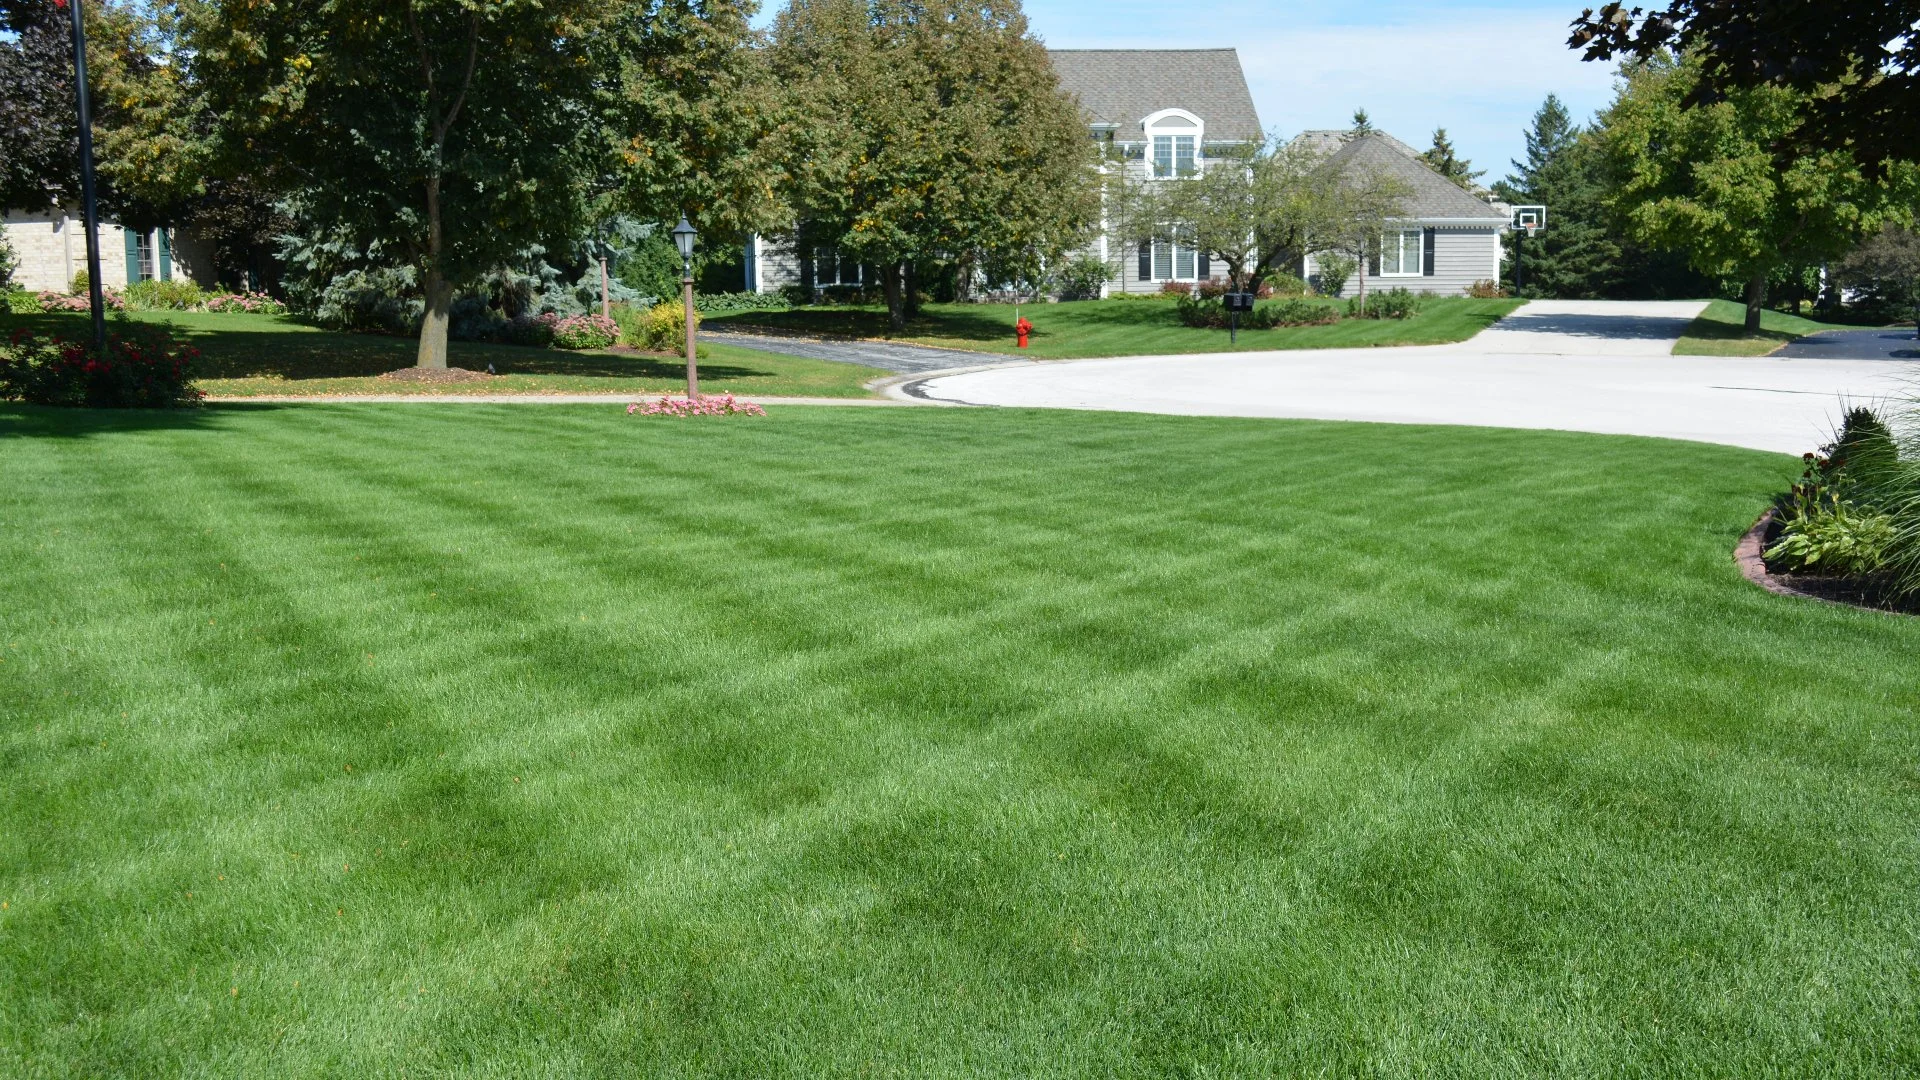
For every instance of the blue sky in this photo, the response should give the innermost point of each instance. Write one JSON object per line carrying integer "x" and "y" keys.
{"x": 1477, "y": 69}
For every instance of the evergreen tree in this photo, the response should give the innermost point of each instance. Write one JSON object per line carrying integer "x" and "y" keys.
{"x": 1448, "y": 163}
{"x": 1574, "y": 258}
{"x": 1362, "y": 124}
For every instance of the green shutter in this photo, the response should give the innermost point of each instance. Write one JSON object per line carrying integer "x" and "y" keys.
{"x": 164, "y": 255}
{"x": 133, "y": 255}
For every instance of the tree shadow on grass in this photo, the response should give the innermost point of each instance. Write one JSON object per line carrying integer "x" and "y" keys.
{"x": 954, "y": 322}
{"x": 46, "y": 422}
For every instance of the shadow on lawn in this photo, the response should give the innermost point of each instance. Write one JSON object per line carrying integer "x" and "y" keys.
{"x": 958, "y": 322}
{"x": 43, "y": 422}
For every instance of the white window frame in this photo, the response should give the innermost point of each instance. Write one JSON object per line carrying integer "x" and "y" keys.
{"x": 1172, "y": 254}
{"x": 146, "y": 250}
{"x": 1404, "y": 237}
{"x": 1182, "y": 135}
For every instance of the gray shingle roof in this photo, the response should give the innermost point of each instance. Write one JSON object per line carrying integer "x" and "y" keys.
{"x": 1125, "y": 86}
{"x": 1434, "y": 196}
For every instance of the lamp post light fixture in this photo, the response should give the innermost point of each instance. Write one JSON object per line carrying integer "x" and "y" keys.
{"x": 683, "y": 237}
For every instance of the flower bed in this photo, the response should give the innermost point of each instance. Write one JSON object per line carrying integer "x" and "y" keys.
{"x": 143, "y": 370}
{"x": 1848, "y": 528}
{"x": 726, "y": 405}
{"x": 251, "y": 303}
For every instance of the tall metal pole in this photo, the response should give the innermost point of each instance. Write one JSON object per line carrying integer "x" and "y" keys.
{"x": 686, "y": 298}
{"x": 89, "y": 207}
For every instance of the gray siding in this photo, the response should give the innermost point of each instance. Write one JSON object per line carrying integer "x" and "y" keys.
{"x": 1462, "y": 255}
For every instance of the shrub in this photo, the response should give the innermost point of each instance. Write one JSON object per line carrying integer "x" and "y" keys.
{"x": 1082, "y": 278}
{"x": 9, "y": 262}
{"x": 137, "y": 370}
{"x": 1334, "y": 272}
{"x": 1298, "y": 312}
{"x": 1198, "y": 311}
{"x": 1177, "y": 288}
{"x": 1487, "y": 290}
{"x": 532, "y": 330}
{"x": 1393, "y": 304}
{"x": 252, "y": 303}
{"x": 1282, "y": 284}
{"x": 81, "y": 282}
{"x": 156, "y": 295}
{"x": 724, "y": 303}
{"x": 584, "y": 332}
{"x": 22, "y": 302}
{"x": 664, "y": 328}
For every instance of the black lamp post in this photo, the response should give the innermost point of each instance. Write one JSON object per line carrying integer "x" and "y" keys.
{"x": 683, "y": 237}
{"x": 89, "y": 208}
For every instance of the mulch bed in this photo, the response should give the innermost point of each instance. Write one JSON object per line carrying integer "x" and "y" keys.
{"x": 1852, "y": 592}
{"x": 435, "y": 375}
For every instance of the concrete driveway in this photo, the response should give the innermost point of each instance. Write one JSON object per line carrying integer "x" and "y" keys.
{"x": 1570, "y": 365}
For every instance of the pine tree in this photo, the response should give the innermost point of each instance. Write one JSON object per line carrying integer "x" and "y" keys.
{"x": 1574, "y": 258}
{"x": 1448, "y": 163}
{"x": 1362, "y": 123}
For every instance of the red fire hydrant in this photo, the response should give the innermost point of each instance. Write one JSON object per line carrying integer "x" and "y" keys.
{"x": 1022, "y": 329}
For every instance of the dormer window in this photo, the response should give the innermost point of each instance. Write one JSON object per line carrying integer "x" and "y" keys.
{"x": 1174, "y": 138}
{"x": 1172, "y": 156}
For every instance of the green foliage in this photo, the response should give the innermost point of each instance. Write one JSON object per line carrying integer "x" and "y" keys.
{"x": 81, "y": 283}
{"x": 1828, "y": 535}
{"x": 22, "y": 302}
{"x": 917, "y": 130}
{"x": 722, "y": 303}
{"x": 1208, "y": 310}
{"x": 140, "y": 368}
{"x": 1255, "y": 209}
{"x": 1447, "y": 161}
{"x": 153, "y": 294}
{"x": 661, "y": 328}
{"x": 1711, "y": 180}
{"x": 1395, "y": 303}
{"x": 1082, "y": 278}
{"x": 1334, "y": 270}
{"x": 1885, "y": 273}
{"x": 1284, "y": 284}
{"x": 9, "y": 262}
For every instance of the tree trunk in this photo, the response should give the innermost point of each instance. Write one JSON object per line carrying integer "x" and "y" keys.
{"x": 1360, "y": 268}
{"x": 439, "y": 291}
{"x": 1756, "y": 299}
{"x": 896, "y": 296}
{"x": 963, "y": 280}
{"x": 913, "y": 289}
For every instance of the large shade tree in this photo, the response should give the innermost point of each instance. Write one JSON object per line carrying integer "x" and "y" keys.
{"x": 1858, "y": 61}
{"x": 148, "y": 147}
{"x": 1711, "y": 179}
{"x": 455, "y": 133}
{"x": 929, "y": 130}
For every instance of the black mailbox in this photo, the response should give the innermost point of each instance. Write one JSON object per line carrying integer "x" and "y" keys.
{"x": 1238, "y": 301}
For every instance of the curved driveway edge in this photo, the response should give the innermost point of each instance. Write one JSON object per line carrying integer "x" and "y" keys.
{"x": 1588, "y": 366}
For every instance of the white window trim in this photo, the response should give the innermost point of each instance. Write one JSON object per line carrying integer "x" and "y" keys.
{"x": 1176, "y": 122}
{"x": 1174, "y": 250}
{"x": 1419, "y": 253}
